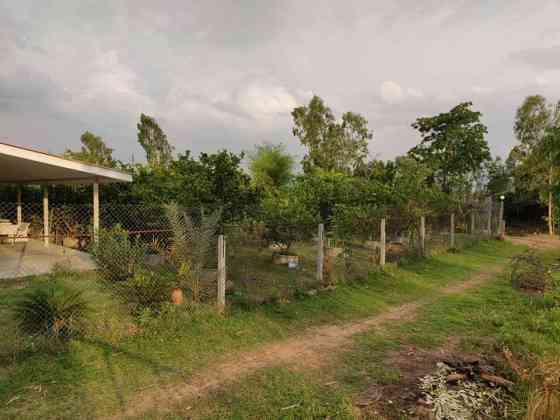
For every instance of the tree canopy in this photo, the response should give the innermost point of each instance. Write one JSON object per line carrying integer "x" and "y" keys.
{"x": 453, "y": 144}
{"x": 154, "y": 141}
{"x": 271, "y": 167}
{"x": 93, "y": 150}
{"x": 331, "y": 145}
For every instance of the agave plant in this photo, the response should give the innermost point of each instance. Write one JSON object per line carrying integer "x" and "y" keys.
{"x": 52, "y": 311}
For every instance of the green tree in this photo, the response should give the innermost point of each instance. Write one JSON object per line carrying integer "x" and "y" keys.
{"x": 331, "y": 145}
{"x": 271, "y": 167}
{"x": 453, "y": 145}
{"x": 154, "y": 141}
{"x": 94, "y": 150}
{"x": 535, "y": 168}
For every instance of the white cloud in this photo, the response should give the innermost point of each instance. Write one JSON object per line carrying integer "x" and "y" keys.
{"x": 391, "y": 92}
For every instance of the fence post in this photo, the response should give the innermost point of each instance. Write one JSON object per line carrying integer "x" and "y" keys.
{"x": 96, "y": 212}
{"x": 452, "y": 231}
{"x": 221, "y": 299}
{"x": 423, "y": 235}
{"x": 382, "y": 242}
{"x": 320, "y": 253}
{"x": 489, "y": 222}
{"x": 472, "y": 223}
{"x": 19, "y": 215}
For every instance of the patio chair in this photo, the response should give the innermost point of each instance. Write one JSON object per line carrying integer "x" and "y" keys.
{"x": 22, "y": 232}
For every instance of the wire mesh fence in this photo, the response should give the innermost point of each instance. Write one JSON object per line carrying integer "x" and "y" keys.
{"x": 145, "y": 259}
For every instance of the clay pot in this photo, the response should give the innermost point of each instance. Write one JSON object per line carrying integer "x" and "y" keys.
{"x": 177, "y": 296}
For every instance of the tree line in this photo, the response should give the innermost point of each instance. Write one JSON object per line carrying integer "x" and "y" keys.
{"x": 450, "y": 167}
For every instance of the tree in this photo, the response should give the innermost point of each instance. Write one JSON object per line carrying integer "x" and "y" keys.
{"x": 453, "y": 145}
{"x": 535, "y": 167}
{"x": 331, "y": 145}
{"x": 154, "y": 141}
{"x": 94, "y": 150}
{"x": 270, "y": 166}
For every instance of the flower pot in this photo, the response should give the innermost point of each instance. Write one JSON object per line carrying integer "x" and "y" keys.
{"x": 177, "y": 296}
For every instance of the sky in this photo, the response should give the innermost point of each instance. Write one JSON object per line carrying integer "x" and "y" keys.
{"x": 226, "y": 74}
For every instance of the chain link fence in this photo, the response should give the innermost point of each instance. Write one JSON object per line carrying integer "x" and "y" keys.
{"x": 62, "y": 277}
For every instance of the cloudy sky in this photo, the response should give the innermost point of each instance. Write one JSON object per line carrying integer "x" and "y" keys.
{"x": 226, "y": 74}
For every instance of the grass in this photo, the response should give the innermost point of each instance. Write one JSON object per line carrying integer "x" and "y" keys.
{"x": 484, "y": 320}
{"x": 94, "y": 376}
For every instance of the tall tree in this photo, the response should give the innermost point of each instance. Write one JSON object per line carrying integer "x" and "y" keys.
{"x": 271, "y": 166}
{"x": 331, "y": 145}
{"x": 154, "y": 141}
{"x": 94, "y": 150}
{"x": 453, "y": 145}
{"x": 535, "y": 167}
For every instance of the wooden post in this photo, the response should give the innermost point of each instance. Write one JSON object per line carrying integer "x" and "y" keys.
{"x": 452, "y": 231}
{"x": 382, "y": 242}
{"x": 96, "y": 212}
{"x": 423, "y": 235}
{"x": 46, "y": 229}
{"x": 19, "y": 217}
{"x": 473, "y": 223}
{"x": 221, "y": 299}
{"x": 320, "y": 253}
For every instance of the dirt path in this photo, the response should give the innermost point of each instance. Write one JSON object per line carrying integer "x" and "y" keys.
{"x": 536, "y": 241}
{"x": 309, "y": 349}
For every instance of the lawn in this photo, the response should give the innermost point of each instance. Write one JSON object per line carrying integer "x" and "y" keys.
{"x": 96, "y": 375}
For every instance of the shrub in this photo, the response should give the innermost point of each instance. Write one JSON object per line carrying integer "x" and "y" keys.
{"x": 529, "y": 272}
{"x": 544, "y": 400}
{"x": 146, "y": 289}
{"x": 117, "y": 255}
{"x": 52, "y": 311}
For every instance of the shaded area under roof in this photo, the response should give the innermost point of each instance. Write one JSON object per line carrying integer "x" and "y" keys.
{"x": 20, "y": 165}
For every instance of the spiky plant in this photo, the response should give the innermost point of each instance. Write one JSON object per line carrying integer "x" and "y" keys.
{"x": 52, "y": 311}
{"x": 544, "y": 401}
{"x": 191, "y": 245}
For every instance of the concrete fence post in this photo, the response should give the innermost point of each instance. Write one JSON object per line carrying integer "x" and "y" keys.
{"x": 473, "y": 228}
{"x": 452, "y": 231}
{"x": 221, "y": 299}
{"x": 423, "y": 235}
{"x": 96, "y": 212}
{"x": 320, "y": 253}
{"x": 382, "y": 242}
{"x": 46, "y": 228}
{"x": 489, "y": 221}
{"x": 19, "y": 217}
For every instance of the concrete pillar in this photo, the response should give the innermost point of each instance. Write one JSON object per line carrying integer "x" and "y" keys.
{"x": 501, "y": 217}
{"x": 382, "y": 243}
{"x": 473, "y": 226}
{"x": 19, "y": 214}
{"x": 96, "y": 212}
{"x": 452, "y": 231}
{"x": 320, "y": 254}
{"x": 221, "y": 300}
{"x": 46, "y": 230}
{"x": 489, "y": 224}
{"x": 423, "y": 235}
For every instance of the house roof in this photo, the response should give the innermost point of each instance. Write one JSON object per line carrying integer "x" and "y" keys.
{"x": 19, "y": 165}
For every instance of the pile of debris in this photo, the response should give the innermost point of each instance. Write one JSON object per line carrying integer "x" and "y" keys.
{"x": 462, "y": 388}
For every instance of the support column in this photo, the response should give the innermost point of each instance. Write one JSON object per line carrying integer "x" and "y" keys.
{"x": 19, "y": 217}
{"x": 382, "y": 243}
{"x": 423, "y": 235}
{"x": 452, "y": 231}
{"x": 96, "y": 212}
{"x": 46, "y": 230}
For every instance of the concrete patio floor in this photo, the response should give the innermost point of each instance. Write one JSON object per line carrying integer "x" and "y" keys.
{"x": 33, "y": 258}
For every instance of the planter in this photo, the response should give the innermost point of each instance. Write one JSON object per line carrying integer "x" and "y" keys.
{"x": 284, "y": 259}
{"x": 177, "y": 296}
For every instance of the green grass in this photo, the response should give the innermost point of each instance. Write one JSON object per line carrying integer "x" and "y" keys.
{"x": 95, "y": 376}
{"x": 484, "y": 319}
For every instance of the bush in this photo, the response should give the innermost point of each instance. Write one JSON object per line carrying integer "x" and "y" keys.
{"x": 529, "y": 272}
{"x": 146, "y": 289}
{"x": 52, "y": 311}
{"x": 117, "y": 255}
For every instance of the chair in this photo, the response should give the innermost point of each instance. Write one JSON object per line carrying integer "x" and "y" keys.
{"x": 22, "y": 232}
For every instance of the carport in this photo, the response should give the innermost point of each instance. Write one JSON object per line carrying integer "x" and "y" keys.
{"x": 23, "y": 166}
